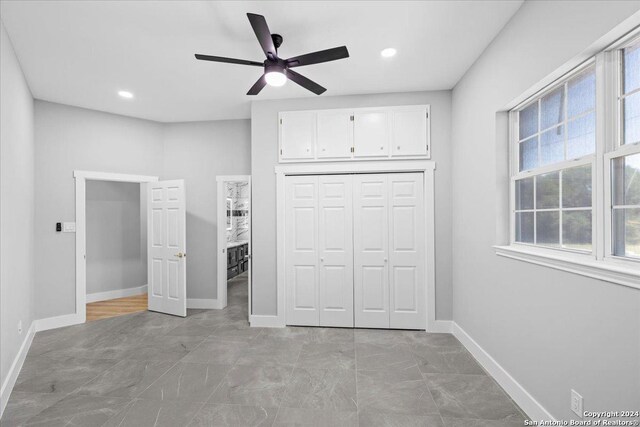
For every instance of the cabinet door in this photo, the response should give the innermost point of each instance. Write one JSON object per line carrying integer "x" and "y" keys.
{"x": 409, "y": 135}
{"x": 297, "y": 135}
{"x": 335, "y": 238}
{"x": 371, "y": 133}
{"x": 370, "y": 241}
{"x": 406, "y": 251}
{"x": 301, "y": 250}
{"x": 335, "y": 135}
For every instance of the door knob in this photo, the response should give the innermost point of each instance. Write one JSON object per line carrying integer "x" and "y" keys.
{"x": 180, "y": 255}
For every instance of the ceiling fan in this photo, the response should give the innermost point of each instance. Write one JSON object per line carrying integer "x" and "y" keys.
{"x": 276, "y": 69}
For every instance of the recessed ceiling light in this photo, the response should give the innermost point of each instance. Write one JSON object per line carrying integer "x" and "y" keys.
{"x": 125, "y": 94}
{"x": 388, "y": 52}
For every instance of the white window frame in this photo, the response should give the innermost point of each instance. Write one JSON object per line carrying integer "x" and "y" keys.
{"x": 600, "y": 263}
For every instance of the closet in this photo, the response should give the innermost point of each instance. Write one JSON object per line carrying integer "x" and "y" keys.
{"x": 355, "y": 250}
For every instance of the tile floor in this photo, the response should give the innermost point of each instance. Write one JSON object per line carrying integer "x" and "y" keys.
{"x": 212, "y": 369}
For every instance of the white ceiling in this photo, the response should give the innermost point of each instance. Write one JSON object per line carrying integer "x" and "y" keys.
{"x": 82, "y": 53}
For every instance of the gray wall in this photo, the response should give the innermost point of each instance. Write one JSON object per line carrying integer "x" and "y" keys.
{"x": 114, "y": 244}
{"x": 16, "y": 205}
{"x": 71, "y": 138}
{"x": 551, "y": 330}
{"x": 68, "y": 139}
{"x": 264, "y": 156}
{"x": 197, "y": 152}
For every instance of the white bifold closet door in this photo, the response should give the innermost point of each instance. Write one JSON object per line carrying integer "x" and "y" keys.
{"x": 389, "y": 251}
{"x": 319, "y": 250}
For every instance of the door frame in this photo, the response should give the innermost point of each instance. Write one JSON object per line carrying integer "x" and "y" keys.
{"x": 81, "y": 178}
{"x": 221, "y": 251}
{"x": 427, "y": 167}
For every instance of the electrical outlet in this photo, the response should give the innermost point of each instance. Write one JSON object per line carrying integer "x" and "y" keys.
{"x": 19, "y": 326}
{"x": 576, "y": 403}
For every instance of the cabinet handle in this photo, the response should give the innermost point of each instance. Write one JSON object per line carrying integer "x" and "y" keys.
{"x": 398, "y": 147}
{"x": 321, "y": 259}
{"x": 382, "y": 148}
{"x": 385, "y": 260}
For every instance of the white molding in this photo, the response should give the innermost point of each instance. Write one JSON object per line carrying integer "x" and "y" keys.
{"x": 259, "y": 321}
{"x": 441, "y": 326}
{"x": 58, "y": 322}
{"x": 81, "y": 178}
{"x": 117, "y": 293}
{"x": 515, "y": 390}
{"x": 16, "y": 366}
{"x": 204, "y": 303}
{"x": 427, "y": 167}
{"x": 607, "y": 270}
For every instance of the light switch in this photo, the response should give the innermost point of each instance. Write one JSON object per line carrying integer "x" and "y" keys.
{"x": 68, "y": 227}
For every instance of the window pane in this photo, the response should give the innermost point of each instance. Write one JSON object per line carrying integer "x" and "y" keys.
{"x": 528, "y": 121}
{"x": 529, "y": 154}
{"x": 632, "y": 118}
{"x": 626, "y": 180}
{"x": 524, "y": 227}
{"x": 547, "y": 228}
{"x": 576, "y": 187}
{"x": 552, "y": 146}
{"x": 552, "y": 107}
{"x": 576, "y": 230}
{"x": 582, "y": 136}
{"x": 582, "y": 93}
{"x": 626, "y": 232}
{"x": 524, "y": 194}
{"x": 631, "y": 61}
{"x": 548, "y": 191}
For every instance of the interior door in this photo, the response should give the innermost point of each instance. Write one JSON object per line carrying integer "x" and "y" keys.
{"x": 166, "y": 247}
{"x": 406, "y": 251}
{"x": 335, "y": 247}
{"x": 370, "y": 238}
{"x": 301, "y": 250}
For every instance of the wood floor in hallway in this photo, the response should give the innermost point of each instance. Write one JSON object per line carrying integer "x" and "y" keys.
{"x": 116, "y": 307}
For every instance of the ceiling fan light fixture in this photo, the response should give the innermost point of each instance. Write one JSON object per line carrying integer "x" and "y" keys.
{"x": 275, "y": 78}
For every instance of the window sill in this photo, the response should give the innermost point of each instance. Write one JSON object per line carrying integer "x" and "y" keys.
{"x": 609, "y": 271}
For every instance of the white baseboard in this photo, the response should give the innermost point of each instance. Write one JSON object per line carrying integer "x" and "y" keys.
{"x": 16, "y": 366}
{"x": 441, "y": 326}
{"x": 57, "y": 322}
{"x": 528, "y": 403}
{"x": 118, "y": 293}
{"x": 260, "y": 321}
{"x": 204, "y": 303}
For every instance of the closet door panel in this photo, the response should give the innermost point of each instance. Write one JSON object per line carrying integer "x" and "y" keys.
{"x": 301, "y": 250}
{"x": 335, "y": 236}
{"x": 406, "y": 251}
{"x": 370, "y": 237}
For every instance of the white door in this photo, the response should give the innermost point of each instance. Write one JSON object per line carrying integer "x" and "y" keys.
{"x": 370, "y": 237}
{"x": 335, "y": 239}
{"x": 406, "y": 251}
{"x": 335, "y": 135}
{"x": 166, "y": 247}
{"x": 297, "y": 135}
{"x": 301, "y": 250}
{"x": 371, "y": 133}
{"x": 409, "y": 131}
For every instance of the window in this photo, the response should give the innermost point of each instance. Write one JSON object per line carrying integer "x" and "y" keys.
{"x": 556, "y": 146}
{"x": 575, "y": 168}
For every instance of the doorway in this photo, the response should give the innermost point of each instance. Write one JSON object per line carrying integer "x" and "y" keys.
{"x": 234, "y": 241}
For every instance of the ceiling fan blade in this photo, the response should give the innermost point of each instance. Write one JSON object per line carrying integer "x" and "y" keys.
{"x": 228, "y": 60}
{"x": 305, "y": 82}
{"x": 263, "y": 34}
{"x": 318, "y": 57}
{"x": 257, "y": 86}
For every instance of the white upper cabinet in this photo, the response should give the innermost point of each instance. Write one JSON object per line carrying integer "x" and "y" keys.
{"x": 398, "y": 132}
{"x": 335, "y": 134}
{"x": 297, "y": 135}
{"x": 371, "y": 133}
{"x": 409, "y": 131}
